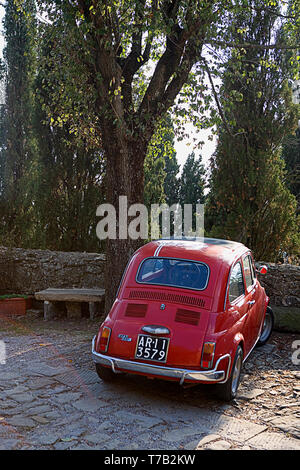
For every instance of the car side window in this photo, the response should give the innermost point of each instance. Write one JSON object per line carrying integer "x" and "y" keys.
{"x": 252, "y": 268}
{"x": 248, "y": 271}
{"x": 236, "y": 283}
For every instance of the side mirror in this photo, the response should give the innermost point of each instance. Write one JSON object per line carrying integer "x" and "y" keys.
{"x": 262, "y": 270}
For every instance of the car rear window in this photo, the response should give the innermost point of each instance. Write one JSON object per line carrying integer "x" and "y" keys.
{"x": 173, "y": 272}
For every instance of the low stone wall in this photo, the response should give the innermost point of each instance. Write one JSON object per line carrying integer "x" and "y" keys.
{"x": 28, "y": 271}
{"x": 282, "y": 285}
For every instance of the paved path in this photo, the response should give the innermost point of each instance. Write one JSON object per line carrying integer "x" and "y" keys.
{"x": 51, "y": 398}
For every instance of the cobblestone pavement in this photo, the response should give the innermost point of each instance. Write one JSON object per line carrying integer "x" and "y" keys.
{"x": 51, "y": 397}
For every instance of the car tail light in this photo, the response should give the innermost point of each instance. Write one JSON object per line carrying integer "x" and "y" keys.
{"x": 104, "y": 339}
{"x": 208, "y": 352}
{"x": 263, "y": 270}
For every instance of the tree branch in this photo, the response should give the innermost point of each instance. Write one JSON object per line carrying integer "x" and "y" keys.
{"x": 217, "y": 99}
{"x": 165, "y": 68}
{"x": 136, "y": 58}
{"x": 183, "y": 48}
{"x": 253, "y": 46}
{"x": 181, "y": 75}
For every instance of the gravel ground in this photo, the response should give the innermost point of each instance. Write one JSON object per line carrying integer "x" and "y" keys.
{"x": 268, "y": 395}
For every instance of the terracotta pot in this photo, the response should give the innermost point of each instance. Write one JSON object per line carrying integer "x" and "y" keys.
{"x": 13, "y": 306}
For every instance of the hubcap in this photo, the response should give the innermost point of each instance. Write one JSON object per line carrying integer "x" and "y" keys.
{"x": 236, "y": 373}
{"x": 266, "y": 327}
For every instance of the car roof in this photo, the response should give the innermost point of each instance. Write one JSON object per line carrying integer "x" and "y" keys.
{"x": 198, "y": 249}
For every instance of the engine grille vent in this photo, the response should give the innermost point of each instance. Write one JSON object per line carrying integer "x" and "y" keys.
{"x": 167, "y": 297}
{"x": 136, "y": 310}
{"x": 187, "y": 316}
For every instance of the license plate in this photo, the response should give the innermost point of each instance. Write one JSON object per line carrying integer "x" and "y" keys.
{"x": 152, "y": 348}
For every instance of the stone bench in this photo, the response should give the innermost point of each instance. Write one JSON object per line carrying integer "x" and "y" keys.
{"x": 72, "y": 299}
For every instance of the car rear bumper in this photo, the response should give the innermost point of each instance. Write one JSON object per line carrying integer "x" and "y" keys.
{"x": 213, "y": 376}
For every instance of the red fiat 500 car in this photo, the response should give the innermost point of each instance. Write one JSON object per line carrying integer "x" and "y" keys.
{"x": 186, "y": 310}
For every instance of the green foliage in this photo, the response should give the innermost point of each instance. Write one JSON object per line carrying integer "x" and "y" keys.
{"x": 255, "y": 208}
{"x": 103, "y": 58}
{"x": 67, "y": 187}
{"x": 249, "y": 200}
{"x": 192, "y": 181}
{"x": 94, "y": 86}
{"x": 51, "y": 181}
{"x": 68, "y": 183}
{"x": 13, "y": 296}
{"x": 172, "y": 181}
{"x": 18, "y": 144}
{"x": 291, "y": 156}
{"x": 160, "y": 150}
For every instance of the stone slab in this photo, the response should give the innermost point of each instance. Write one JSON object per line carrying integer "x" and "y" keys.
{"x": 250, "y": 394}
{"x": 71, "y": 295}
{"x": 97, "y": 437}
{"x": 21, "y": 421}
{"x": 89, "y": 405}
{"x": 288, "y": 423}
{"x": 205, "y": 422}
{"x": 23, "y": 397}
{"x": 8, "y": 444}
{"x": 218, "y": 445}
{"x": 42, "y": 368}
{"x": 273, "y": 441}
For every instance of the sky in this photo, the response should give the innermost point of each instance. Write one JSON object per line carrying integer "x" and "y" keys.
{"x": 185, "y": 147}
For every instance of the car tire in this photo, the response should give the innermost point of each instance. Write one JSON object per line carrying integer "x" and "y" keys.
{"x": 105, "y": 374}
{"x": 228, "y": 390}
{"x": 267, "y": 327}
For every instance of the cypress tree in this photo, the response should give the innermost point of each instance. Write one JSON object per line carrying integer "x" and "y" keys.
{"x": 249, "y": 200}
{"x": 291, "y": 157}
{"x": 17, "y": 139}
{"x": 192, "y": 181}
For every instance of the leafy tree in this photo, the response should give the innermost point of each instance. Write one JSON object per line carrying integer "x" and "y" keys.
{"x": 249, "y": 201}
{"x": 102, "y": 61}
{"x": 109, "y": 46}
{"x": 160, "y": 150}
{"x": 161, "y": 167}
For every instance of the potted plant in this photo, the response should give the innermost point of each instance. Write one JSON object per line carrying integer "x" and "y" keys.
{"x": 14, "y": 304}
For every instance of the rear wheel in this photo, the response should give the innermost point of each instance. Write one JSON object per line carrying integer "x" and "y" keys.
{"x": 228, "y": 390}
{"x": 267, "y": 327}
{"x": 105, "y": 374}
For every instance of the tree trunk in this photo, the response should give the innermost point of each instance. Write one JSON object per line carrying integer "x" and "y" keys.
{"x": 124, "y": 177}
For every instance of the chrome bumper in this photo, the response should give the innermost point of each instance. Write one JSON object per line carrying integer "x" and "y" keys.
{"x": 162, "y": 371}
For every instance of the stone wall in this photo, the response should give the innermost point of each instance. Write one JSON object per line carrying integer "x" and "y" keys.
{"x": 28, "y": 271}
{"x": 282, "y": 285}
